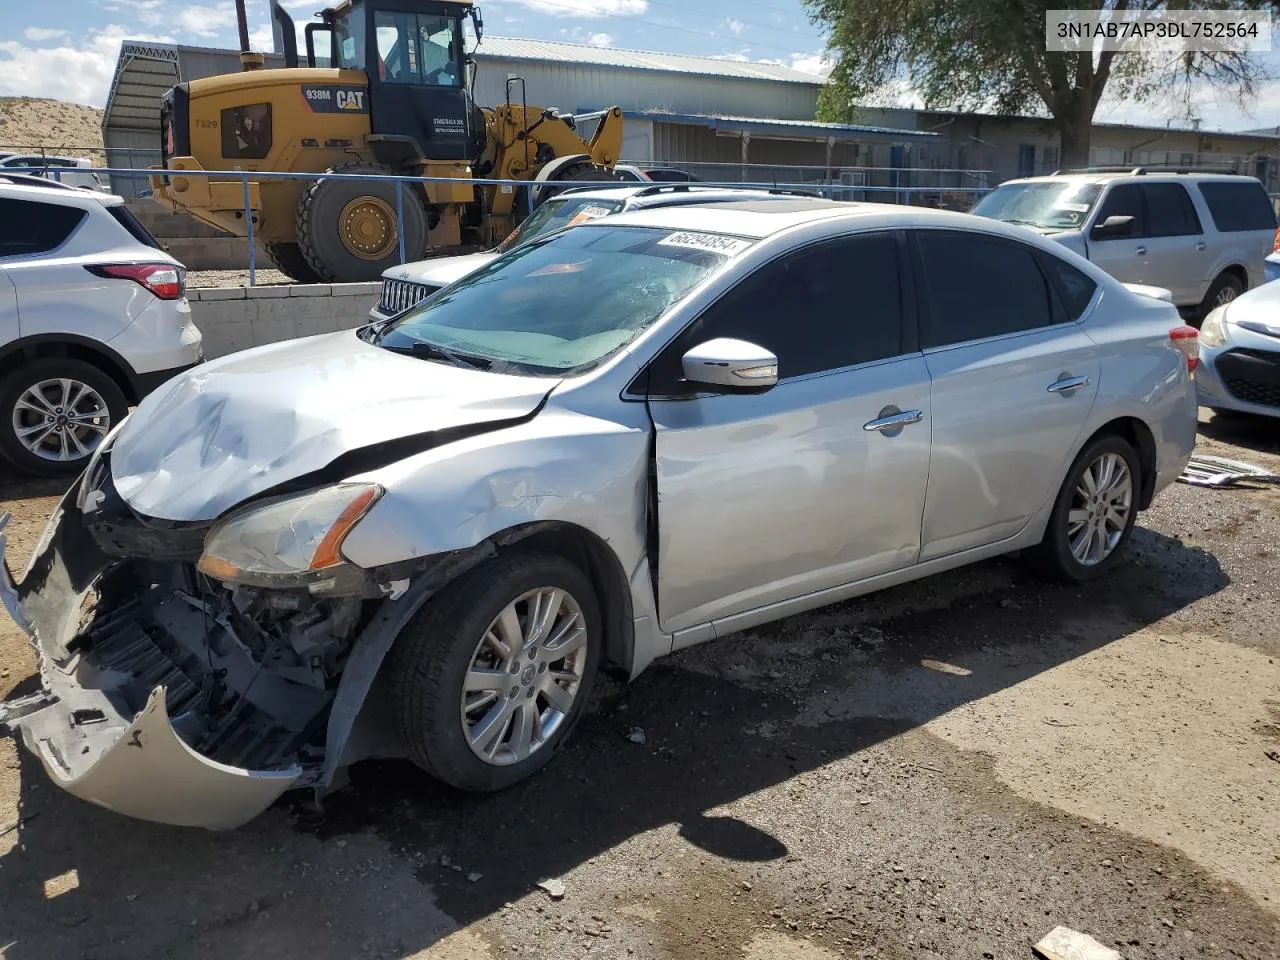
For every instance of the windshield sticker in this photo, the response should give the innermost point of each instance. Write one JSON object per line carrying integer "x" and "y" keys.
{"x": 588, "y": 213}
{"x": 1073, "y": 207}
{"x": 710, "y": 242}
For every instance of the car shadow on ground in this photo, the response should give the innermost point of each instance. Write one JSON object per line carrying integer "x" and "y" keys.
{"x": 711, "y": 736}
{"x": 1242, "y": 429}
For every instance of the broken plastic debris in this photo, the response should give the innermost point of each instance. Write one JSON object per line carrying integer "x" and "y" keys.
{"x": 553, "y": 887}
{"x": 1208, "y": 471}
{"x": 1063, "y": 943}
{"x": 636, "y": 735}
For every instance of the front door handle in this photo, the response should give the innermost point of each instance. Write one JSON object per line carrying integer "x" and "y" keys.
{"x": 1068, "y": 383}
{"x": 893, "y": 421}
{"x": 1140, "y": 252}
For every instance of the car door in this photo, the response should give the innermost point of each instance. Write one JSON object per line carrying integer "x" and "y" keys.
{"x": 1125, "y": 258}
{"x": 766, "y": 497}
{"x": 1177, "y": 255}
{"x": 1014, "y": 379}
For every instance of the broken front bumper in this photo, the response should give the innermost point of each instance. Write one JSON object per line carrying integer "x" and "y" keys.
{"x": 89, "y": 741}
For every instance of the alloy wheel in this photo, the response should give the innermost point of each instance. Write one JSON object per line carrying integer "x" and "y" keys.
{"x": 1225, "y": 295}
{"x": 61, "y": 419}
{"x": 525, "y": 675}
{"x": 1100, "y": 509}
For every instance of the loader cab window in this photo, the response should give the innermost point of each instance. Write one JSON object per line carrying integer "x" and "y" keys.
{"x": 350, "y": 31}
{"x": 418, "y": 48}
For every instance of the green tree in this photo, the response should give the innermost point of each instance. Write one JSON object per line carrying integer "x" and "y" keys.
{"x": 990, "y": 54}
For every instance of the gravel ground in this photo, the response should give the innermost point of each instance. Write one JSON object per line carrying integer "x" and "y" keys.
{"x": 944, "y": 770}
{"x": 263, "y": 277}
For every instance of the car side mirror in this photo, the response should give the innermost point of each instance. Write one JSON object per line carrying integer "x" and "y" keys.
{"x": 731, "y": 366}
{"x": 1112, "y": 227}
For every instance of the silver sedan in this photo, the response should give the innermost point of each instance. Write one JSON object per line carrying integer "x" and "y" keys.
{"x": 425, "y": 538}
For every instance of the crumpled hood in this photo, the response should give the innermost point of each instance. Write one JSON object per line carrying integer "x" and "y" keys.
{"x": 237, "y": 426}
{"x": 1259, "y": 308}
{"x": 441, "y": 271}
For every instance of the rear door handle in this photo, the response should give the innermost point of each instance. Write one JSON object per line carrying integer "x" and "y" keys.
{"x": 894, "y": 421}
{"x": 1068, "y": 383}
{"x": 1140, "y": 252}
{"x": 1200, "y": 245}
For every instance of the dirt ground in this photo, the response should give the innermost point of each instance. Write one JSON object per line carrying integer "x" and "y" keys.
{"x": 947, "y": 769}
{"x": 31, "y": 124}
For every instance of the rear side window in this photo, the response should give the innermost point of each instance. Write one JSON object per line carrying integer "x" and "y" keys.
{"x": 1237, "y": 207}
{"x": 1075, "y": 288}
{"x": 980, "y": 287}
{"x": 124, "y": 216}
{"x": 33, "y": 227}
{"x": 1169, "y": 211}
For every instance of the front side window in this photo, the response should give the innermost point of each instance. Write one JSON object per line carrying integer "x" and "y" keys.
{"x": 1046, "y": 205}
{"x": 32, "y": 227}
{"x": 979, "y": 287}
{"x": 1124, "y": 200}
{"x": 556, "y": 213}
{"x": 563, "y": 304}
{"x": 832, "y": 305}
{"x": 418, "y": 48}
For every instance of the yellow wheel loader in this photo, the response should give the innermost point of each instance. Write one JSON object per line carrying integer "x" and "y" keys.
{"x": 385, "y": 89}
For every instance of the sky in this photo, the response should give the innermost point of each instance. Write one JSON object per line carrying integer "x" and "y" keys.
{"x": 67, "y": 49}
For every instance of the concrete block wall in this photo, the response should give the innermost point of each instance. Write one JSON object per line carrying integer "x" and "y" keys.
{"x": 237, "y": 318}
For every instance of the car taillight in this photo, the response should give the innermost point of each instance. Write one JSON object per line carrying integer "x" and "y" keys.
{"x": 1187, "y": 339}
{"x": 163, "y": 279}
{"x": 1275, "y": 247}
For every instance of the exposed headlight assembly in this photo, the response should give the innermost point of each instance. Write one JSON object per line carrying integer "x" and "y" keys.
{"x": 1213, "y": 332}
{"x": 292, "y": 542}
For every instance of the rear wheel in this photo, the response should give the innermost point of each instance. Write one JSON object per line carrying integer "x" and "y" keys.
{"x": 289, "y": 260}
{"x": 1094, "y": 513}
{"x": 488, "y": 680}
{"x": 54, "y": 413}
{"x": 347, "y": 228}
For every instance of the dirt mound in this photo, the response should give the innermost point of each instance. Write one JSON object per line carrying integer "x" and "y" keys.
{"x": 28, "y": 124}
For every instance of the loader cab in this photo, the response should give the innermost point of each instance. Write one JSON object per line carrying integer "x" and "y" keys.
{"x": 412, "y": 52}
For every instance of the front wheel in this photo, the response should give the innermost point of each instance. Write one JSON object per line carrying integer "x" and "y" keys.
{"x": 1094, "y": 513}
{"x": 488, "y": 680}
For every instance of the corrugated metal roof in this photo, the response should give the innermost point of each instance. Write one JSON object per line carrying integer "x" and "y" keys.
{"x": 766, "y": 127}
{"x": 513, "y": 48}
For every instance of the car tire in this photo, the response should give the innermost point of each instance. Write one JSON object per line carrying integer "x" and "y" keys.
{"x": 1223, "y": 290}
{"x": 464, "y": 738}
{"x": 289, "y": 260}
{"x": 333, "y": 213}
{"x": 1072, "y": 553}
{"x": 97, "y": 397}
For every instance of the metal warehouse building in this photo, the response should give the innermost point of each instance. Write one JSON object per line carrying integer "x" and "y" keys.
{"x": 713, "y": 115}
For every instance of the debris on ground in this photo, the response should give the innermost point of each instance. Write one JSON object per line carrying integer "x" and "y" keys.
{"x": 1063, "y": 943}
{"x": 1208, "y": 471}
{"x": 553, "y": 887}
{"x": 474, "y": 877}
{"x": 636, "y": 735}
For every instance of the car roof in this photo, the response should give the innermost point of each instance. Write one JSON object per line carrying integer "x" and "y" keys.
{"x": 21, "y": 187}
{"x": 758, "y": 219}
{"x": 1147, "y": 175}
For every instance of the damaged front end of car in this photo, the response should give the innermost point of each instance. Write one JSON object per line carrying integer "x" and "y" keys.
{"x": 193, "y": 672}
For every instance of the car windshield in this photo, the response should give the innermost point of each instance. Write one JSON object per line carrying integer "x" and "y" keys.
{"x": 563, "y": 304}
{"x": 556, "y": 213}
{"x": 1049, "y": 205}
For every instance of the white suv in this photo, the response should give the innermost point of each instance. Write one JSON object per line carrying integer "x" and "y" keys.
{"x": 72, "y": 171}
{"x": 93, "y": 316}
{"x": 1201, "y": 236}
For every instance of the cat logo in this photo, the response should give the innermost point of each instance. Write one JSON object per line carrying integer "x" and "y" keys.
{"x": 350, "y": 100}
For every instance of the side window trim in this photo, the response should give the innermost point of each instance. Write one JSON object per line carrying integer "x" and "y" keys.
{"x": 908, "y": 344}
{"x": 925, "y": 307}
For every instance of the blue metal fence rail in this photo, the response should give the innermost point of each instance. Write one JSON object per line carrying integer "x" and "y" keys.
{"x": 834, "y": 191}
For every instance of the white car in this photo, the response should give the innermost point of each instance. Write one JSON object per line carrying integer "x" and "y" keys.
{"x": 411, "y": 283}
{"x": 1202, "y": 236}
{"x": 93, "y": 316}
{"x": 73, "y": 171}
{"x": 425, "y": 538}
{"x": 1240, "y": 356}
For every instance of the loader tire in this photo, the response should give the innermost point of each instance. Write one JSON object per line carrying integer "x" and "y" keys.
{"x": 347, "y": 228}
{"x": 289, "y": 260}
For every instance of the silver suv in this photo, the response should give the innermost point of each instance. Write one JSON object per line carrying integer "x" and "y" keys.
{"x": 1201, "y": 236}
{"x": 411, "y": 283}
